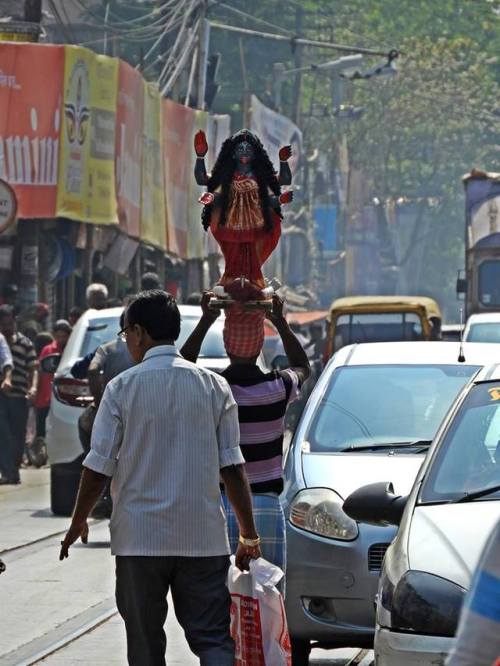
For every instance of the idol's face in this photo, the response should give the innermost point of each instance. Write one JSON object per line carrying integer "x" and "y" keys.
{"x": 244, "y": 153}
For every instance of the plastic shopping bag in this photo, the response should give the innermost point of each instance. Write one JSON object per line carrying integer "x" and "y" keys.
{"x": 258, "y": 620}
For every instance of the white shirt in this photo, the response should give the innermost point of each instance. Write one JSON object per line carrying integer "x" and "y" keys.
{"x": 163, "y": 431}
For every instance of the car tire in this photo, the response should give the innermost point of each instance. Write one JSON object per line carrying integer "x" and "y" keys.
{"x": 64, "y": 482}
{"x": 301, "y": 651}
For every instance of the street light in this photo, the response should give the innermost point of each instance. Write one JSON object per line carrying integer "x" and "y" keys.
{"x": 331, "y": 66}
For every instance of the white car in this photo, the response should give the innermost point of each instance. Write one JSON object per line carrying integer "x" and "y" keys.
{"x": 371, "y": 417}
{"x": 483, "y": 327}
{"x": 94, "y": 328}
{"x": 443, "y": 526}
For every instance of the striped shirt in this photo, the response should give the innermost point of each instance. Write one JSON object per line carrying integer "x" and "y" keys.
{"x": 478, "y": 635}
{"x": 24, "y": 357}
{"x": 163, "y": 431}
{"x": 262, "y": 400}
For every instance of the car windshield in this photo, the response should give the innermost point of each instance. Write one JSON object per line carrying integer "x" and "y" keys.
{"x": 104, "y": 329}
{"x": 468, "y": 458}
{"x": 487, "y": 332}
{"x": 371, "y": 405}
{"x": 380, "y": 327}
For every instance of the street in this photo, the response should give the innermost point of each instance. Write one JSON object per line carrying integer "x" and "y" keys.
{"x": 63, "y": 612}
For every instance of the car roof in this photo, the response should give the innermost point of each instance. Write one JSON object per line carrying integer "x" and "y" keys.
{"x": 484, "y": 317}
{"x": 417, "y": 352}
{"x": 399, "y": 302}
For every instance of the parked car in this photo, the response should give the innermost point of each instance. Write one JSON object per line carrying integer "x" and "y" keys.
{"x": 371, "y": 417}
{"x": 94, "y": 328}
{"x": 483, "y": 327}
{"x": 451, "y": 332}
{"x": 443, "y": 526}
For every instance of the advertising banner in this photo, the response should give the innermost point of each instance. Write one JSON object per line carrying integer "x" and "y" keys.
{"x": 129, "y": 126}
{"x": 31, "y": 81}
{"x": 275, "y": 130}
{"x": 178, "y": 132}
{"x": 86, "y": 187}
{"x": 153, "y": 220}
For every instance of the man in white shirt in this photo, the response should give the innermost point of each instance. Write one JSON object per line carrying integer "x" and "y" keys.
{"x": 165, "y": 431}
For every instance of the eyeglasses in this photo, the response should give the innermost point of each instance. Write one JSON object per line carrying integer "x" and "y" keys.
{"x": 122, "y": 335}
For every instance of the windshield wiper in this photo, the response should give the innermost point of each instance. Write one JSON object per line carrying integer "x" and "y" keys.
{"x": 470, "y": 497}
{"x": 422, "y": 444}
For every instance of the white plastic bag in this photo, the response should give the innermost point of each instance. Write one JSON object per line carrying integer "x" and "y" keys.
{"x": 258, "y": 620}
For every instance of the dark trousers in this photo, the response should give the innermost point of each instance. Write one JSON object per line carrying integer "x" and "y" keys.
{"x": 13, "y": 424}
{"x": 41, "y": 414}
{"x": 201, "y": 602}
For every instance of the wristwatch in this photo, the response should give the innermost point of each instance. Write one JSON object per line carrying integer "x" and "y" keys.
{"x": 251, "y": 543}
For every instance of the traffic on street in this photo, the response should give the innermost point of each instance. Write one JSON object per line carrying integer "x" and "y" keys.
{"x": 249, "y": 333}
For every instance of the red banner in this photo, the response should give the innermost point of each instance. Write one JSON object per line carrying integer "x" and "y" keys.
{"x": 178, "y": 125}
{"x": 31, "y": 85}
{"x": 129, "y": 130}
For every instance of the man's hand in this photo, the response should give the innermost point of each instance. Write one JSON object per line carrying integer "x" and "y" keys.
{"x": 276, "y": 315}
{"x": 286, "y": 197}
{"x": 76, "y": 531}
{"x": 209, "y": 312}
{"x": 6, "y": 385}
{"x": 32, "y": 394}
{"x": 200, "y": 144}
{"x": 285, "y": 153}
{"x": 244, "y": 554}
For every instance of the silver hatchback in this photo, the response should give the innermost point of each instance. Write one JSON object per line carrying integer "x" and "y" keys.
{"x": 370, "y": 418}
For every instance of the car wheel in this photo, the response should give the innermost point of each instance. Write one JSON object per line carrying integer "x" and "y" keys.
{"x": 64, "y": 482}
{"x": 301, "y": 650}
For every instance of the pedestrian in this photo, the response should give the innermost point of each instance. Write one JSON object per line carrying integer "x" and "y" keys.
{"x": 150, "y": 281}
{"x": 262, "y": 398}
{"x": 33, "y": 320}
{"x": 164, "y": 432}
{"x": 478, "y": 635}
{"x": 97, "y": 296}
{"x": 10, "y": 296}
{"x": 61, "y": 332}
{"x": 6, "y": 365}
{"x": 74, "y": 315}
{"x": 14, "y": 397}
{"x": 107, "y": 363}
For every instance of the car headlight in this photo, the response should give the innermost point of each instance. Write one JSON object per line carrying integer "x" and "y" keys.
{"x": 426, "y": 604}
{"x": 319, "y": 510}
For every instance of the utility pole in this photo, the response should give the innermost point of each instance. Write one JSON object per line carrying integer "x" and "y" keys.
{"x": 203, "y": 47}
{"x": 33, "y": 11}
{"x": 297, "y": 90}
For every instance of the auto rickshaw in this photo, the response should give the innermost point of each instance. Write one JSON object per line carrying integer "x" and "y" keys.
{"x": 380, "y": 319}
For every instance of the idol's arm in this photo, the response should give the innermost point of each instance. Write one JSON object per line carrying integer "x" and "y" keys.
{"x": 200, "y": 171}
{"x": 285, "y": 175}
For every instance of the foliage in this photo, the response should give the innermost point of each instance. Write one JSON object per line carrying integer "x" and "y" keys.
{"x": 421, "y": 130}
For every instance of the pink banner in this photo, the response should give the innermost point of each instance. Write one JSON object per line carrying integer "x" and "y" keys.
{"x": 128, "y": 152}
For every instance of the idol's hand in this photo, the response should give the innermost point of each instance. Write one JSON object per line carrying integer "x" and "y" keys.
{"x": 286, "y": 197}
{"x": 200, "y": 144}
{"x": 285, "y": 153}
{"x": 206, "y": 198}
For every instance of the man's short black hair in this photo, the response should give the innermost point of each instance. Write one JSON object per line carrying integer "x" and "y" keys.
{"x": 6, "y": 311}
{"x": 157, "y": 312}
{"x": 150, "y": 281}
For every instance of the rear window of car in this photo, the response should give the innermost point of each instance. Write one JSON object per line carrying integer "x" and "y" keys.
{"x": 104, "y": 329}
{"x": 487, "y": 332}
{"x": 99, "y": 331}
{"x": 367, "y": 405}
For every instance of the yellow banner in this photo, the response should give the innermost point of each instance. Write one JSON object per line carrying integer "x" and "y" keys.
{"x": 86, "y": 183}
{"x": 153, "y": 212}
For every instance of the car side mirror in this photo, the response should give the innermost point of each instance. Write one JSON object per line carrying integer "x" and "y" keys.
{"x": 375, "y": 504}
{"x": 50, "y": 363}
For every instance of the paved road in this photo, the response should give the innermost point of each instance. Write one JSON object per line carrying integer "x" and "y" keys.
{"x": 59, "y": 613}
